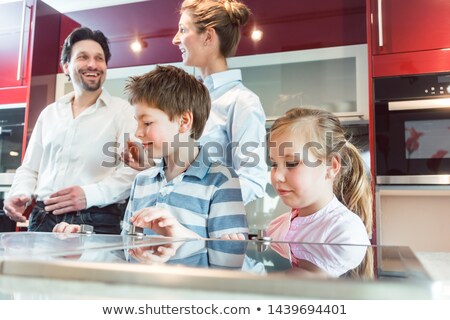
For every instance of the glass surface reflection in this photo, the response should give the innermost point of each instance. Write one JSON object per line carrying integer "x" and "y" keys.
{"x": 247, "y": 267}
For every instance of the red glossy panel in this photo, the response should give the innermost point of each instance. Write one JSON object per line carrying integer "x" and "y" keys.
{"x": 287, "y": 25}
{"x": 412, "y": 25}
{"x": 13, "y": 95}
{"x": 10, "y": 30}
{"x": 411, "y": 63}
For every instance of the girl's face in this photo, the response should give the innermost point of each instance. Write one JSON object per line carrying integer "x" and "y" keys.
{"x": 190, "y": 42}
{"x": 300, "y": 179}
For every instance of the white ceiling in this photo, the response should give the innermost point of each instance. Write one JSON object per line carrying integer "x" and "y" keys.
{"x": 77, "y": 5}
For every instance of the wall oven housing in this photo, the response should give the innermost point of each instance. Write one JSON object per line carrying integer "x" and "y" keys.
{"x": 412, "y": 129}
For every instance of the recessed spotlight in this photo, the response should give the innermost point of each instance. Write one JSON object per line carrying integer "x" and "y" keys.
{"x": 257, "y": 35}
{"x": 137, "y": 45}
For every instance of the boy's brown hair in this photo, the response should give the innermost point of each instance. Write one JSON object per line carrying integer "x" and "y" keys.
{"x": 173, "y": 91}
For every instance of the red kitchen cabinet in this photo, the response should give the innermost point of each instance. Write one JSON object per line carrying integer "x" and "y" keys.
{"x": 15, "y": 30}
{"x": 409, "y": 37}
{"x": 406, "y": 26}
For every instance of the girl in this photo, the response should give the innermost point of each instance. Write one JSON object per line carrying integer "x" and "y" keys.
{"x": 209, "y": 32}
{"x": 320, "y": 175}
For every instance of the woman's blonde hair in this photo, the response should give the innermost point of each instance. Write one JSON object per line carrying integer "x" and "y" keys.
{"x": 351, "y": 185}
{"x": 225, "y": 16}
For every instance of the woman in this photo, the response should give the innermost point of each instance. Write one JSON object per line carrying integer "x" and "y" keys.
{"x": 208, "y": 33}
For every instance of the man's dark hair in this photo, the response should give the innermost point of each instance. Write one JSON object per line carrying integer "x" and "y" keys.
{"x": 80, "y": 34}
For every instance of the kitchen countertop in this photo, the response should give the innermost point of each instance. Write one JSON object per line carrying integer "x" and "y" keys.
{"x": 56, "y": 266}
{"x": 437, "y": 265}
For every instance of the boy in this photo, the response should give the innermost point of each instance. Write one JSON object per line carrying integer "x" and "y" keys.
{"x": 187, "y": 195}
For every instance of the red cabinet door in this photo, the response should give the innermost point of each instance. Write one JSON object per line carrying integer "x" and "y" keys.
{"x": 15, "y": 25}
{"x": 406, "y": 26}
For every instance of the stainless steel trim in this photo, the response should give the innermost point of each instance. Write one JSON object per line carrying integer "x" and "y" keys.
{"x": 337, "y": 114}
{"x": 419, "y": 104}
{"x": 227, "y": 281}
{"x": 416, "y": 179}
{"x": 22, "y": 31}
{"x": 380, "y": 23}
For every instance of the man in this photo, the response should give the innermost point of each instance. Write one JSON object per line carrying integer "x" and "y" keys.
{"x": 70, "y": 164}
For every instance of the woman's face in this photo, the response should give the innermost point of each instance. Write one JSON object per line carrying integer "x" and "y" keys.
{"x": 191, "y": 42}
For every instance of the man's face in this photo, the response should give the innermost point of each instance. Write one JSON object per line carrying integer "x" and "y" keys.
{"x": 87, "y": 66}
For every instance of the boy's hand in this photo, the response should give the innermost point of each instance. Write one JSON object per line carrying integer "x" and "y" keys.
{"x": 232, "y": 236}
{"x": 135, "y": 157}
{"x": 154, "y": 254}
{"x": 64, "y": 227}
{"x": 161, "y": 221}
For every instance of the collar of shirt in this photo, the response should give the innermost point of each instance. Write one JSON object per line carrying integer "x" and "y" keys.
{"x": 295, "y": 213}
{"x": 198, "y": 168}
{"x": 219, "y": 79}
{"x": 103, "y": 100}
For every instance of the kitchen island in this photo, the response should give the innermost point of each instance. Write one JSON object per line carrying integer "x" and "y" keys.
{"x": 77, "y": 266}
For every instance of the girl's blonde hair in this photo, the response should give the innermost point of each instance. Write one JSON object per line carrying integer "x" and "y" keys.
{"x": 351, "y": 185}
{"x": 225, "y": 16}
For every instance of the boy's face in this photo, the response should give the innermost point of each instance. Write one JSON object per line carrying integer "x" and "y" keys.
{"x": 156, "y": 132}
{"x": 87, "y": 66}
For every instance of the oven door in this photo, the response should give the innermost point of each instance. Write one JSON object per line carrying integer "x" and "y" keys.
{"x": 412, "y": 141}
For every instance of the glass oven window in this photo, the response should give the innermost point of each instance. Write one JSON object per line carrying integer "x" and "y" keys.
{"x": 427, "y": 139}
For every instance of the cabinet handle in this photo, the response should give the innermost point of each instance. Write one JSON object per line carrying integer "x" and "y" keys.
{"x": 380, "y": 22}
{"x": 22, "y": 31}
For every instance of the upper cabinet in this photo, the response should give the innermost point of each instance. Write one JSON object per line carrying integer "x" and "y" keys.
{"x": 413, "y": 25}
{"x": 286, "y": 25}
{"x": 15, "y": 24}
{"x": 409, "y": 37}
{"x": 15, "y": 38}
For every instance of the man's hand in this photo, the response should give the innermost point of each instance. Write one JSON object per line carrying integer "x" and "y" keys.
{"x": 14, "y": 207}
{"x": 64, "y": 227}
{"x": 66, "y": 200}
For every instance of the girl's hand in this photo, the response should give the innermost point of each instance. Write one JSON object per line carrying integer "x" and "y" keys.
{"x": 161, "y": 221}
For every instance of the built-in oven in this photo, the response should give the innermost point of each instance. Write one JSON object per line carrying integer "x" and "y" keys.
{"x": 11, "y": 135}
{"x": 412, "y": 129}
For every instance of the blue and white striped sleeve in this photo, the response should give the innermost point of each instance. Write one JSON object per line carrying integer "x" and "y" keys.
{"x": 227, "y": 212}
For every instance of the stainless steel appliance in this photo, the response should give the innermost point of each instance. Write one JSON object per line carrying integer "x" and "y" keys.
{"x": 11, "y": 135}
{"x": 412, "y": 129}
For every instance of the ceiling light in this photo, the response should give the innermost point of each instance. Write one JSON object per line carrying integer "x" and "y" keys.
{"x": 138, "y": 44}
{"x": 257, "y": 35}
{"x": 13, "y": 153}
